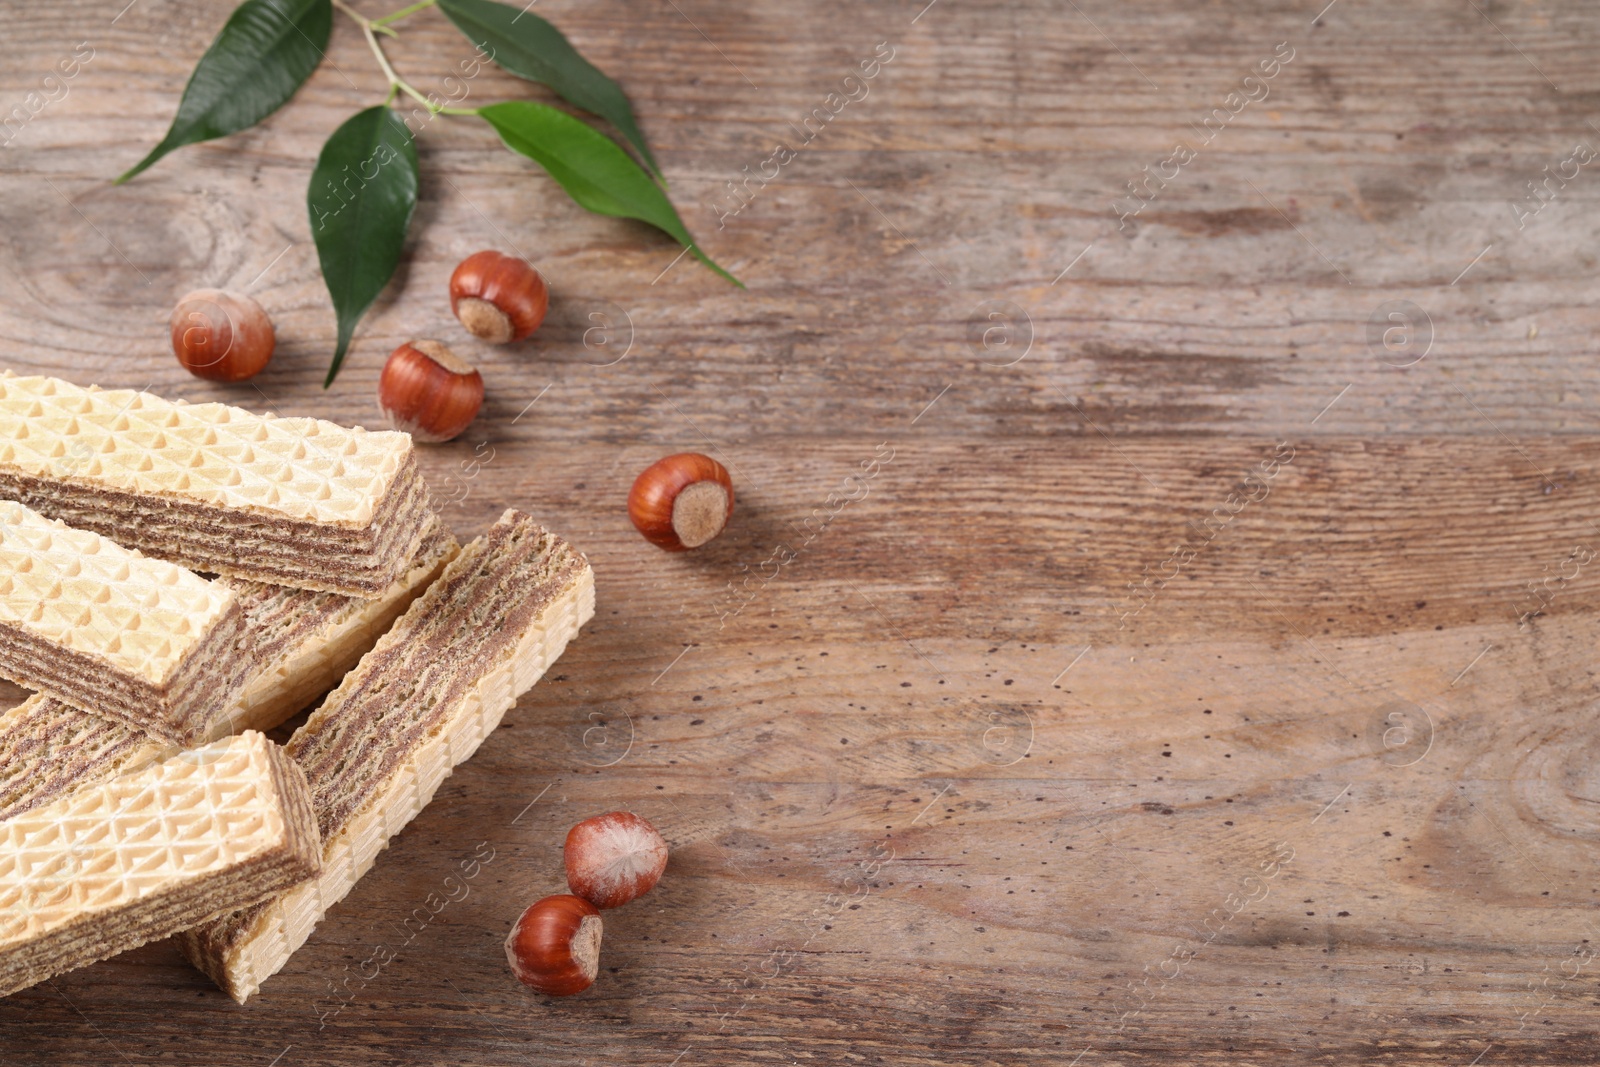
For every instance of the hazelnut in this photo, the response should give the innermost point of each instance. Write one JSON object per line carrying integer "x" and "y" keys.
{"x": 682, "y": 501}
{"x": 555, "y": 946}
{"x": 221, "y": 336}
{"x": 614, "y": 858}
{"x": 498, "y": 298}
{"x": 428, "y": 391}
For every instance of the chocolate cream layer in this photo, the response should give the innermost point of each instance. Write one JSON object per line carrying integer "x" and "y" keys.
{"x": 457, "y": 634}
{"x": 48, "y": 748}
{"x": 203, "y": 537}
{"x": 304, "y": 640}
{"x": 216, "y": 485}
{"x": 281, "y": 616}
{"x": 179, "y": 709}
{"x": 139, "y": 857}
{"x": 419, "y": 703}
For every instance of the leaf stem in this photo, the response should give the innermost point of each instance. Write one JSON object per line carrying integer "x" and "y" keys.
{"x": 362, "y": 19}
{"x": 396, "y": 16}
{"x": 395, "y": 81}
{"x": 371, "y": 29}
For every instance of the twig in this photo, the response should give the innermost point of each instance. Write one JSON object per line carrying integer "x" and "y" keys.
{"x": 359, "y": 17}
{"x": 402, "y": 13}
{"x": 371, "y": 28}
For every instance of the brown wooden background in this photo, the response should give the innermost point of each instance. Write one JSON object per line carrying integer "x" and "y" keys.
{"x": 1323, "y": 799}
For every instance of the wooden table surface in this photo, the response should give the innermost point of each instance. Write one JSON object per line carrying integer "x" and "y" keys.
{"x": 1198, "y": 678}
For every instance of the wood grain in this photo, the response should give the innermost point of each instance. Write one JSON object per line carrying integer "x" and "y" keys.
{"x": 1172, "y": 692}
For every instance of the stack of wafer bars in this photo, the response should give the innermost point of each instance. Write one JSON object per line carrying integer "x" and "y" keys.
{"x": 176, "y": 579}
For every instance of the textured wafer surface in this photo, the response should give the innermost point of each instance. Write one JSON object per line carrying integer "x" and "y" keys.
{"x": 135, "y": 442}
{"x": 142, "y": 856}
{"x": 292, "y": 501}
{"x": 417, "y": 705}
{"x": 87, "y": 594}
{"x": 362, "y": 562}
{"x": 49, "y": 748}
{"x": 101, "y": 626}
{"x": 307, "y": 641}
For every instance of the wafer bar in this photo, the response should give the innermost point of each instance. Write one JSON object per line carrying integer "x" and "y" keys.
{"x": 142, "y": 856}
{"x": 418, "y": 704}
{"x": 138, "y": 640}
{"x": 307, "y": 641}
{"x": 48, "y": 749}
{"x": 292, "y": 501}
{"x": 310, "y": 639}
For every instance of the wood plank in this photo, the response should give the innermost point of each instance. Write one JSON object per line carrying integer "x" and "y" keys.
{"x": 1177, "y": 762}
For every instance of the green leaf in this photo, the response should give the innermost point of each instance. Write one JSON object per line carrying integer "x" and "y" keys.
{"x": 361, "y": 196}
{"x": 265, "y": 52}
{"x": 595, "y": 172}
{"x": 531, "y": 48}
